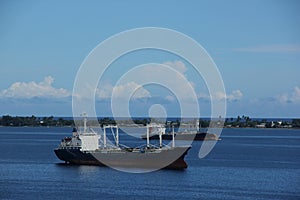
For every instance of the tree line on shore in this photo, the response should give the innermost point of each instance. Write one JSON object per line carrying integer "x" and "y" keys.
{"x": 7, "y": 120}
{"x": 239, "y": 121}
{"x": 246, "y": 121}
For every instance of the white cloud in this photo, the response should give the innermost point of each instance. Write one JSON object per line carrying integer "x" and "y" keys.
{"x": 288, "y": 48}
{"x": 296, "y": 95}
{"x": 235, "y": 95}
{"x": 121, "y": 91}
{"x": 177, "y": 65}
{"x": 104, "y": 92}
{"x": 179, "y": 81}
{"x": 139, "y": 92}
{"x": 292, "y": 97}
{"x": 170, "y": 98}
{"x": 156, "y": 76}
{"x": 33, "y": 89}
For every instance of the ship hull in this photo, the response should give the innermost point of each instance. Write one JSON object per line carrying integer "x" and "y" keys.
{"x": 172, "y": 158}
{"x": 185, "y": 136}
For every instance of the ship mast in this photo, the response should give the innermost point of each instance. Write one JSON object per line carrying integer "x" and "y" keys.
{"x": 104, "y": 136}
{"x": 84, "y": 124}
{"x": 160, "y": 137}
{"x": 173, "y": 137}
{"x": 84, "y": 115}
{"x": 148, "y": 142}
{"x": 116, "y": 135}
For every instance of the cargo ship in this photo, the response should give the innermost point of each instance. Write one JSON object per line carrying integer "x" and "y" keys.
{"x": 185, "y": 136}
{"x": 87, "y": 147}
{"x": 158, "y": 131}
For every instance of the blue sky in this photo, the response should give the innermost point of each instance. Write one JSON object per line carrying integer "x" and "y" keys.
{"x": 255, "y": 44}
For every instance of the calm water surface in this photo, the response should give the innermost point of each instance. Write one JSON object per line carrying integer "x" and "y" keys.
{"x": 245, "y": 164}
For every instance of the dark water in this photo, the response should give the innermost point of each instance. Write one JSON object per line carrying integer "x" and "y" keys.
{"x": 245, "y": 164}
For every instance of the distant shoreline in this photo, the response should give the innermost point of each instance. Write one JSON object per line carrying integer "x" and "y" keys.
{"x": 238, "y": 122}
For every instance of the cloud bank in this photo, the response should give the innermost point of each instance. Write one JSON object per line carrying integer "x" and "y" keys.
{"x": 43, "y": 97}
{"x": 292, "y": 97}
{"x": 235, "y": 95}
{"x": 33, "y": 89}
{"x": 120, "y": 91}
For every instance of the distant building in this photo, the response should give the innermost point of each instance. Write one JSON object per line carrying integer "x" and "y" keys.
{"x": 262, "y": 125}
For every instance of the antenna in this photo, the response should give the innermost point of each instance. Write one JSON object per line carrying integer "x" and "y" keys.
{"x": 84, "y": 115}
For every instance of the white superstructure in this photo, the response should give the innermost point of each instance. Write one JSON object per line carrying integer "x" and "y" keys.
{"x": 89, "y": 140}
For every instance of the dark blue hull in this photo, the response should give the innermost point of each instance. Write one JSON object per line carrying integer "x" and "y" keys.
{"x": 125, "y": 158}
{"x": 184, "y": 136}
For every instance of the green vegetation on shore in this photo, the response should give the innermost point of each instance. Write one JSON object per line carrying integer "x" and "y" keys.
{"x": 246, "y": 121}
{"x": 8, "y": 120}
{"x": 238, "y": 122}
